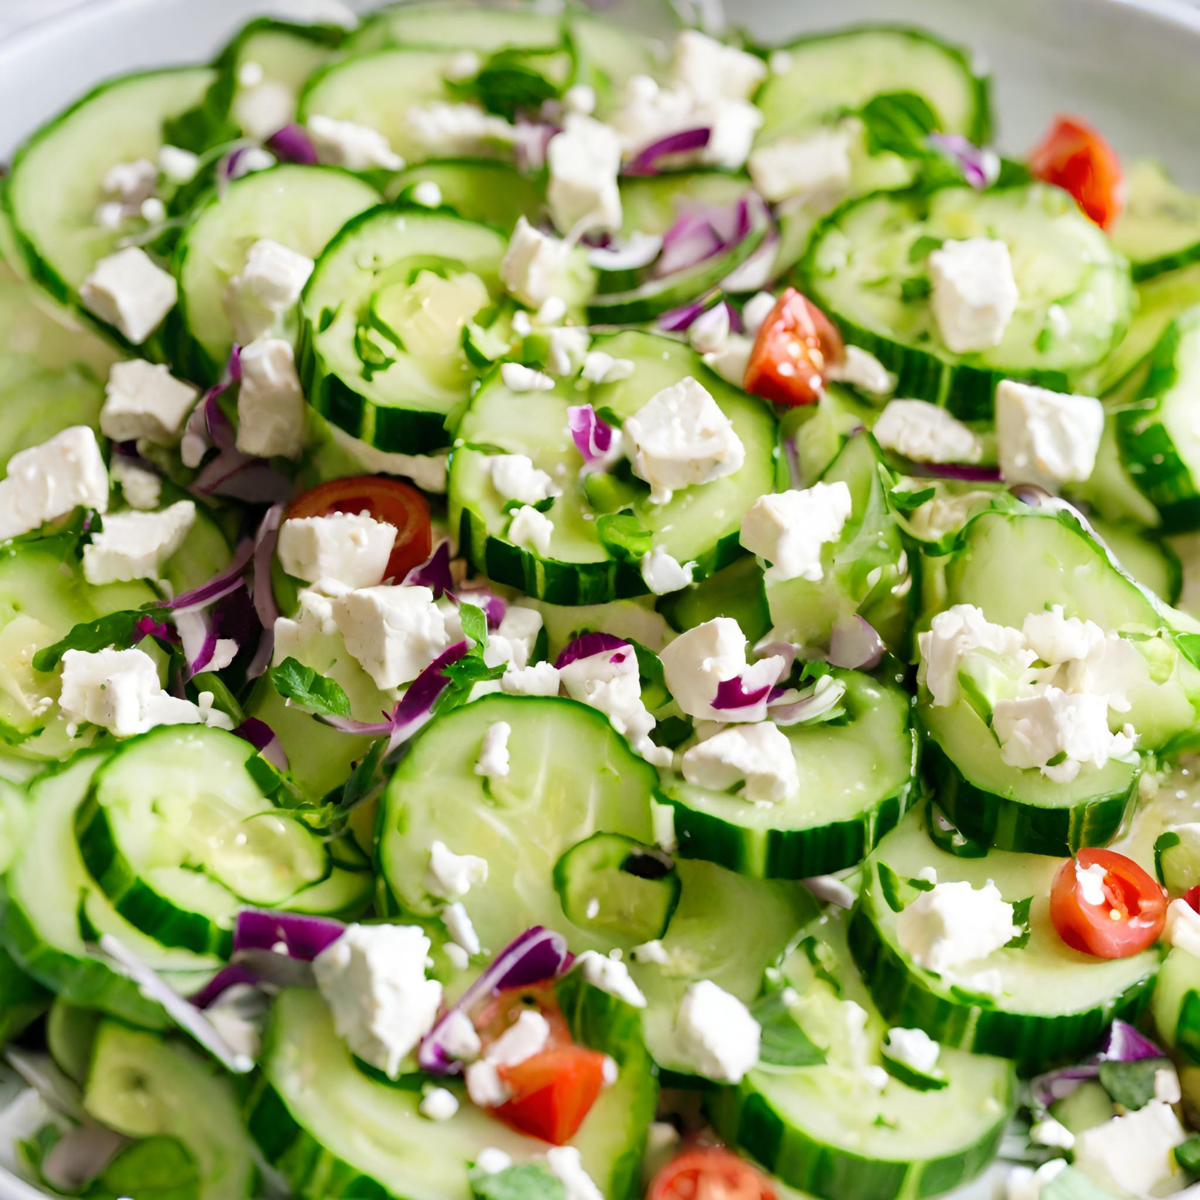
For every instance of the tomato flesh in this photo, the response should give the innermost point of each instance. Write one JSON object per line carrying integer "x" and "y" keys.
{"x": 709, "y": 1173}
{"x": 792, "y": 350}
{"x": 1129, "y": 920}
{"x": 1077, "y": 158}
{"x": 1192, "y": 898}
{"x": 391, "y": 500}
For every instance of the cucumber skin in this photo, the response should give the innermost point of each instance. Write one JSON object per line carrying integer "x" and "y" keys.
{"x": 1149, "y": 268}
{"x": 1007, "y": 824}
{"x": 910, "y": 998}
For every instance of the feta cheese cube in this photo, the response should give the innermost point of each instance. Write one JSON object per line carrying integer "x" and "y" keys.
{"x": 610, "y": 975}
{"x": 861, "y": 369}
{"x": 609, "y": 681}
{"x": 492, "y": 1161}
{"x": 484, "y": 1085}
{"x": 716, "y": 1034}
{"x": 583, "y": 162}
{"x": 516, "y": 478}
{"x": 131, "y": 292}
{"x": 493, "y": 753}
{"x": 457, "y": 130}
{"x": 926, "y": 432}
{"x": 351, "y": 145}
{"x": 266, "y": 289}
{"x": 531, "y": 530}
{"x": 954, "y": 923}
{"x": 46, "y": 482}
{"x": 708, "y": 331}
{"x": 458, "y": 926}
{"x": 600, "y": 367}
{"x": 955, "y": 633}
{"x": 523, "y": 1039}
{"x": 520, "y": 378}
{"x": 136, "y": 545}
{"x": 130, "y": 182}
{"x": 914, "y": 1048}
{"x": 733, "y": 124}
{"x": 515, "y": 637}
{"x": 140, "y": 487}
{"x": 817, "y": 164}
{"x": 1183, "y": 927}
{"x": 144, "y": 400}
{"x": 177, "y": 165}
{"x": 789, "y": 528}
{"x": 680, "y": 438}
{"x": 437, "y": 1104}
{"x": 974, "y": 293}
{"x": 540, "y": 679}
{"x": 451, "y": 876}
{"x": 349, "y": 549}
{"x": 271, "y": 407}
{"x": 566, "y": 1165}
{"x": 393, "y": 632}
{"x": 759, "y": 757}
{"x": 580, "y": 99}
{"x": 1049, "y": 1132}
{"x": 1132, "y": 1154}
{"x": 664, "y": 574}
{"x": 373, "y": 979}
{"x": 709, "y": 68}
{"x": 534, "y": 265}
{"x": 263, "y": 108}
{"x": 1045, "y": 437}
{"x": 1055, "y": 638}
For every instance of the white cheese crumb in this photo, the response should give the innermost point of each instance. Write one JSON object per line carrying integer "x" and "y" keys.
{"x": 451, "y": 876}
{"x": 716, "y": 1034}
{"x": 974, "y": 293}
{"x": 438, "y": 1104}
{"x": 583, "y": 161}
{"x": 664, "y": 574}
{"x": 493, "y": 760}
{"x": 48, "y": 481}
{"x": 144, "y": 400}
{"x": 1046, "y": 438}
{"x": 348, "y": 144}
{"x": 272, "y": 412}
{"x": 1052, "y": 1133}
{"x": 815, "y": 166}
{"x": 178, "y": 165}
{"x": 265, "y": 290}
{"x": 914, "y": 1048}
{"x": 484, "y": 1085}
{"x": 492, "y": 1161}
{"x": 140, "y": 487}
{"x": 136, "y": 545}
{"x": 610, "y": 975}
{"x": 954, "y": 923}
{"x": 523, "y": 1039}
{"x": 926, "y": 432}
{"x": 394, "y": 632}
{"x": 566, "y": 1164}
{"x": 460, "y": 928}
{"x": 1132, "y": 1154}
{"x": 531, "y": 530}
{"x": 759, "y": 757}
{"x": 601, "y": 367}
{"x": 520, "y": 378}
{"x": 516, "y": 478}
{"x": 349, "y": 549}
{"x": 534, "y": 266}
{"x": 861, "y": 369}
{"x": 788, "y": 529}
{"x": 131, "y": 292}
{"x": 539, "y": 679}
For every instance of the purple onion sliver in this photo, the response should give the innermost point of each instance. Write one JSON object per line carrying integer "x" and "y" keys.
{"x": 1123, "y": 1043}
{"x": 959, "y": 472}
{"x": 416, "y": 705}
{"x": 265, "y": 740}
{"x": 732, "y": 694}
{"x": 292, "y": 144}
{"x": 979, "y": 166}
{"x": 676, "y": 320}
{"x": 434, "y": 573}
{"x": 262, "y": 591}
{"x": 1058, "y": 1085}
{"x": 855, "y": 645}
{"x": 148, "y": 627}
{"x": 700, "y": 243}
{"x": 227, "y": 977}
{"x": 645, "y": 162}
{"x": 220, "y": 585}
{"x": 303, "y": 936}
{"x": 587, "y": 645}
{"x": 638, "y": 251}
{"x": 592, "y": 435}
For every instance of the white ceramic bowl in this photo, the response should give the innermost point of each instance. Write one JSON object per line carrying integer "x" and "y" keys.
{"x": 1129, "y": 66}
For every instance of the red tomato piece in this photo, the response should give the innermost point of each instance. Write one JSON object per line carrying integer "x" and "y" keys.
{"x": 792, "y": 350}
{"x": 1128, "y": 921}
{"x": 709, "y": 1173}
{"x": 1192, "y": 897}
{"x": 399, "y": 504}
{"x": 1077, "y": 158}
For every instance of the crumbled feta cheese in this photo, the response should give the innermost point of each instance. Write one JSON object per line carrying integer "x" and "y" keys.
{"x": 1057, "y": 639}
{"x": 914, "y": 1048}
{"x": 817, "y": 164}
{"x": 111, "y": 214}
{"x": 1090, "y": 882}
{"x": 531, "y": 530}
{"x": 609, "y": 681}
{"x": 610, "y": 975}
{"x": 601, "y": 367}
{"x": 1052, "y": 1133}
{"x": 534, "y": 265}
{"x": 516, "y": 478}
{"x": 130, "y": 182}
{"x": 492, "y": 1161}
{"x": 349, "y": 549}
{"x": 427, "y": 194}
{"x": 458, "y": 1037}
{"x": 251, "y": 159}
{"x": 732, "y": 359}
{"x": 567, "y": 349}
{"x": 523, "y": 1039}
{"x": 457, "y": 130}
{"x": 373, "y": 979}
{"x": 925, "y": 432}
{"x": 264, "y": 108}
{"x": 267, "y": 288}
{"x": 709, "y": 330}
{"x": 250, "y": 74}
{"x": 663, "y": 574}
{"x": 271, "y": 405}
{"x": 954, "y": 923}
{"x": 1166, "y": 1085}
{"x": 130, "y": 291}
{"x": 1024, "y": 1183}
{"x": 394, "y": 632}
{"x": 520, "y": 378}
{"x": 861, "y": 369}
{"x": 707, "y": 67}
{"x": 1132, "y": 1154}
{"x": 974, "y": 293}
{"x": 46, "y": 482}
{"x": 178, "y": 165}
{"x": 680, "y": 438}
{"x": 153, "y": 211}
{"x": 733, "y": 124}
{"x": 759, "y": 757}
{"x": 314, "y": 618}
{"x": 515, "y": 637}
{"x": 789, "y": 528}
{"x": 1183, "y": 927}
{"x": 438, "y": 1104}
{"x": 580, "y": 99}
{"x": 136, "y": 545}
{"x": 566, "y": 1165}
{"x": 540, "y": 679}
{"x": 459, "y": 927}
{"x": 716, "y": 1034}
{"x": 140, "y": 487}
{"x": 1045, "y": 437}
{"x": 583, "y": 161}
{"x": 348, "y": 144}
{"x": 144, "y": 400}
{"x": 700, "y": 659}
{"x": 552, "y": 310}
{"x": 484, "y": 1085}
{"x": 756, "y": 310}
{"x": 451, "y": 876}
{"x": 466, "y": 64}
{"x": 493, "y": 753}
{"x": 952, "y": 635}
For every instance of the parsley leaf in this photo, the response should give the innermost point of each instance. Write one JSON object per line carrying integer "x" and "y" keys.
{"x": 907, "y": 502}
{"x": 118, "y": 629}
{"x": 526, "y": 1181}
{"x": 898, "y": 122}
{"x": 784, "y": 1043}
{"x": 915, "y": 287}
{"x": 1021, "y": 919}
{"x": 309, "y": 689}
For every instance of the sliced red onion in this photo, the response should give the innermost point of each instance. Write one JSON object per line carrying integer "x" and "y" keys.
{"x": 218, "y": 586}
{"x": 691, "y": 240}
{"x": 265, "y": 740}
{"x": 980, "y": 166}
{"x": 960, "y": 472}
{"x": 593, "y": 436}
{"x": 732, "y": 694}
{"x": 148, "y": 627}
{"x": 676, "y": 320}
{"x": 262, "y": 592}
{"x": 530, "y": 142}
{"x": 238, "y": 476}
{"x": 793, "y": 707}
{"x": 291, "y": 144}
{"x": 300, "y": 936}
{"x": 538, "y": 954}
{"x": 1058, "y": 1085}
{"x": 1123, "y": 1043}
{"x": 198, "y": 638}
{"x": 434, "y": 573}
{"x": 757, "y": 272}
{"x": 588, "y": 644}
{"x": 855, "y": 645}
{"x": 227, "y": 977}
{"x": 784, "y": 650}
{"x": 645, "y": 162}
{"x": 638, "y": 250}
{"x": 80, "y": 1155}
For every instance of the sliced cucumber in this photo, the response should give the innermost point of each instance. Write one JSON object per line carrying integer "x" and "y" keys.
{"x": 300, "y": 207}
{"x": 455, "y": 27}
{"x": 1052, "y": 1003}
{"x": 860, "y": 260}
{"x": 607, "y": 56}
{"x": 478, "y": 189}
{"x": 857, "y": 778}
{"x": 1159, "y": 229}
{"x": 431, "y": 272}
{"x": 1150, "y": 560}
{"x": 653, "y": 203}
{"x": 553, "y": 798}
{"x": 699, "y": 524}
{"x": 334, "y": 1132}
{"x": 632, "y": 619}
{"x": 1111, "y": 492}
{"x": 1175, "y": 1005}
{"x": 52, "y": 901}
{"x": 70, "y": 1036}
{"x": 735, "y": 591}
{"x": 22, "y": 1000}
{"x": 15, "y": 814}
{"x": 829, "y": 1130}
{"x": 143, "y": 1086}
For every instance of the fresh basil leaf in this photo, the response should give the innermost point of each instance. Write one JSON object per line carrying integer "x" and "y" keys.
{"x": 898, "y": 122}
{"x": 1131, "y": 1084}
{"x": 528, "y": 1181}
{"x": 1021, "y": 918}
{"x": 784, "y": 1043}
{"x": 624, "y": 536}
{"x": 922, "y": 885}
{"x": 505, "y": 85}
{"x": 474, "y": 624}
{"x": 542, "y": 506}
{"x": 310, "y": 689}
{"x": 672, "y": 732}
{"x": 907, "y": 502}
{"x": 116, "y": 629}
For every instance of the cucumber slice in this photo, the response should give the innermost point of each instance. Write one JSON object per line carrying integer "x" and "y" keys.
{"x": 1149, "y": 560}
{"x": 859, "y": 261}
{"x": 1159, "y": 229}
{"x": 51, "y": 900}
{"x": 179, "y": 836}
{"x": 635, "y": 620}
{"x": 477, "y": 189}
{"x": 407, "y": 398}
{"x": 699, "y": 524}
{"x": 22, "y": 1001}
{"x": 651, "y": 204}
{"x": 1110, "y": 491}
{"x": 1175, "y": 1005}
{"x": 735, "y": 591}
{"x": 143, "y": 1086}
{"x": 607, "y": 56}
{"x": 1053, "y": 1002}
{"x": 521, "y": 824}
{"x": 52, "y": 193}
{"x": 15, "y": 816}
{"x": 857, "y": 778}
{"x": 828, "y": 1130}
{"x": 300, "y": 207}
{"x": 334, "y": 1132}
{"x": 455, "y": 27}
{"x": 70, "y": 1036}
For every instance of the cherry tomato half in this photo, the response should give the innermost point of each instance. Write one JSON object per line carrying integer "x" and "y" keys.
{"x": 1077, "y": 158}
{"x": 1128, "y": 920}
{"x": 709, "y": 1173}
{"x": 792, "y": 349}
{"x": 399, "y": 504}
{"x": 1192, "y": 898}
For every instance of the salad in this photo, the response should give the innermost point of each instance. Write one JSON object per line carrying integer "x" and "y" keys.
{"x": 585, "y": 617}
